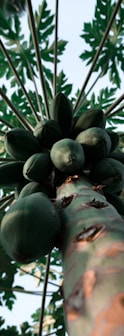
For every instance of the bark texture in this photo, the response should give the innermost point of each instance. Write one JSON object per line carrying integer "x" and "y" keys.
{"x": 93, "y": 260}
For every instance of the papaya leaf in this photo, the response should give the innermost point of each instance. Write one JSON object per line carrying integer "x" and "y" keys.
{"x": 111, "y": 57}
{"x": 10, "y": 28}
{"x": 7, "y": 273}
{"x": 11, "y": 331}
{"x": 62, "y": 85}
{"x": 103, "y": 100}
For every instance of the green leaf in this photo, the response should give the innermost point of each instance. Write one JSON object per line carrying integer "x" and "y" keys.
{"x": 111, "y": 57}
{"x": 7, "y": 273}
{"x": 62, "y": 85}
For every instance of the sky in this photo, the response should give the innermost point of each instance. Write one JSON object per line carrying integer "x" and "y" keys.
{"x": 72, "y": 14}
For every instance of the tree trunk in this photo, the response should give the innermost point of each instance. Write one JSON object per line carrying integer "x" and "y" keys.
{"x": 93, "y": 260}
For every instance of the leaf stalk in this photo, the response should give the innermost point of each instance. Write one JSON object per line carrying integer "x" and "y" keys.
{"x": 21, "y": 118}
{"x": 98, "y": 52}
{"x": 37, "y": 52}
{"x": 55, "y": 48}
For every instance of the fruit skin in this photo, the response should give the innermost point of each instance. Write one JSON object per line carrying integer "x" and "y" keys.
{"x": 30, "y": 228}
{"x": 114, "y": 139}
{"x": 68, "y": 156}
{"x": 38, "y": 167}
{"x": 20, "y": 144}
{"x": 48, "y": 133}
{"x": 20, "y": 186}
{"x": 96, "y": 143}
{"x": 109, "y": 173}
{"x": 61, "y": 110}
{"x": 33, "y": 187}
{"x": 11, "y": 173}
{"x": 88, "y": 119}
{"x": 117, "y": 156}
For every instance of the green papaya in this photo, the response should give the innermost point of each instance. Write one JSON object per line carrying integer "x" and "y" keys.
{"x": 11, "y": 173}
{"x": 30, "y": 228}
{"x": 88, "y": 119}
{"x": 20, "y": 144}
{"x": 20, "y": 185}
{"x": 33, "y": 187}
{"x": 116, "y": 201}
{"x": 61, "y": 110}
{"x": 117, "y": 156}
{"x": 96, "y": 144}
{"x": 67, "y": 155}
{"x": 37, "y": 167}
{"x": 109, "y": 173}
{"x": 48, "y": 133}
{"x": 114, "y": 139}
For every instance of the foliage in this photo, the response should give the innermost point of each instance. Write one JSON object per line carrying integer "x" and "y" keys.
{"x": 21, "y": 51}
{"x": 111, "y": 58}
{"x": 26, "y": 330}
{"x": 13, "y": 7}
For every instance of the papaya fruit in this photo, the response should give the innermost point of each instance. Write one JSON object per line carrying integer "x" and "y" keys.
{"x": 61, "y": 110}
{"x": 109, "y": 173}
{"x": 96, "y": 144}
{"x": 117, "y": 156}
{"x": 33, "y": 187}
{"x": 11, "y": 173}
{"x": 30, "y": 228}
{"x": 114, "y": 139}
{"x": 88, "y": 119}
{"x": 67, "y": 155}
{"x": 20, "y": 185}
{"x": 48, "y": 133}
{"x": 20, "y": 143}
{"x": 37, "y": 167}
{"x": 117, "y": 202}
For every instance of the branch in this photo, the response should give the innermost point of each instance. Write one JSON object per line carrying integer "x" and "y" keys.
{"x": 36, "y": 93}
{"x": 55, "y": 49}
{"x": 85, "y": 96}
{"x": 44, "y": 295}
{"x": 4, "y": 122}
{"x": 117, "y": 111}
{"x": 98, "y": 52}
{"x": 2, "y": 159}
{"x": 118, "y": 101}
{"x": 2, "y": 132}
{"x": 38, "y": 57}
{"x": 7, "y": 197}
{"x": 18, "y": 79}
{"x": 37, "y": 277}
{"x": 6, "y": 203}
{"x": 21, "y": 118}
{"x": 19, "y": 290}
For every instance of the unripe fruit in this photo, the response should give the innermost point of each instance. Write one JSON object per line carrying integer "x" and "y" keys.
{"x": 68, "y": 156}
{"x": 29, "y": 228}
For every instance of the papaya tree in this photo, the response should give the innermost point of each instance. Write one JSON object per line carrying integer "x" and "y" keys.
{"x": 62, "y": 171}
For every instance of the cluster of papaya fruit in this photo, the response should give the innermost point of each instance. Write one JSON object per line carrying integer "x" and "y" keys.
{"x": 62, "y": 146}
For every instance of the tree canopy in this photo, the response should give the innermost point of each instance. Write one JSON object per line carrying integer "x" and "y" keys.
{"x": 28, "y": 82}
